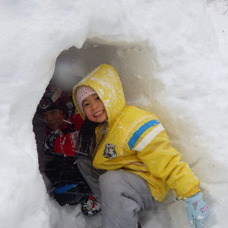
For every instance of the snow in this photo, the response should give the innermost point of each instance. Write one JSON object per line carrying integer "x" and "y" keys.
{"x": 172, "y": 57}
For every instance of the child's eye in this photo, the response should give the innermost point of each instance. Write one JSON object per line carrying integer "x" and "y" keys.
{"x": 97, "y": 98}
{"x": 85, "y": 104}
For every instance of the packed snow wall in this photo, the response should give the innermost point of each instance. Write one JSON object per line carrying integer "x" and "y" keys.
{"x": 168, "y": 60}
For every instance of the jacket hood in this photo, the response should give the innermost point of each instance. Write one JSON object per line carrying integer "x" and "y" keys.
{"x": 105, "y": 81}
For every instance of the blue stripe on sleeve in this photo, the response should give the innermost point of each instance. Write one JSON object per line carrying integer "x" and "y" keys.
{"x": 140, "y": 131}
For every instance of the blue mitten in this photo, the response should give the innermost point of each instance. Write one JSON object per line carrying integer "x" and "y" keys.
{"x": 197, "y": 210}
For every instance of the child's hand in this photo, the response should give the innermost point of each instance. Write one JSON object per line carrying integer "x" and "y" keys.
{"x": 197, "y": 210}
{"x": 48, "y": 144}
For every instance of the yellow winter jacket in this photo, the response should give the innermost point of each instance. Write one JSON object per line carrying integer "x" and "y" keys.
{"x": 135, "y": 141}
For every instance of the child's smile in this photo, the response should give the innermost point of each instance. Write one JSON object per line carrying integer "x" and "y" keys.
{"x": 94, "y": 109}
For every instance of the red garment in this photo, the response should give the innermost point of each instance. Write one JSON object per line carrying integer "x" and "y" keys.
{"x": 66, "y": 140}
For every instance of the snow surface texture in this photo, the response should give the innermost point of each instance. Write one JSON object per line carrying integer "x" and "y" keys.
{"x": 172, "y": 57}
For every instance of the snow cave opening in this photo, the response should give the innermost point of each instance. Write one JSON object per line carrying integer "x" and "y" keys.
{"x": 135, "y": 63}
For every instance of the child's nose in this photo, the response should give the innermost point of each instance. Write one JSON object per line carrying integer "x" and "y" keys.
{"x": 49, "y": 118}
{"x": 94, "y": 105}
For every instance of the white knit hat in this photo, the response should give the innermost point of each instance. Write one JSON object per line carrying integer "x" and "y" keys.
{"x": 82, "y": 93}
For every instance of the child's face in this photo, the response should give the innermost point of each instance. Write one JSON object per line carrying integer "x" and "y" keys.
{"x": 94, "y": 109}
{"x": 53, "y": 118}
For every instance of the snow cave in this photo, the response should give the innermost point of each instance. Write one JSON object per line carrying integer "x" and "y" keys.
{"x": 134, "y": 62}
{"x": 172, "y": 61}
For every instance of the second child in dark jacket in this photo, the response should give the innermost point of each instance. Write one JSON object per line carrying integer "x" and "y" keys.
{"x": 62, "y": 128}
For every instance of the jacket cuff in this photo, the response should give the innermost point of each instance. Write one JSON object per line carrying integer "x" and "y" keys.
{"x": 189, "y": 194}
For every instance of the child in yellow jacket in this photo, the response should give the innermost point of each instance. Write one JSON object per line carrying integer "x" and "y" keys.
{"x": 133, "y": 162}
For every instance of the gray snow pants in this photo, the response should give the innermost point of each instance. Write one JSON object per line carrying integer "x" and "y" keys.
{"x": 121, "y": 194}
